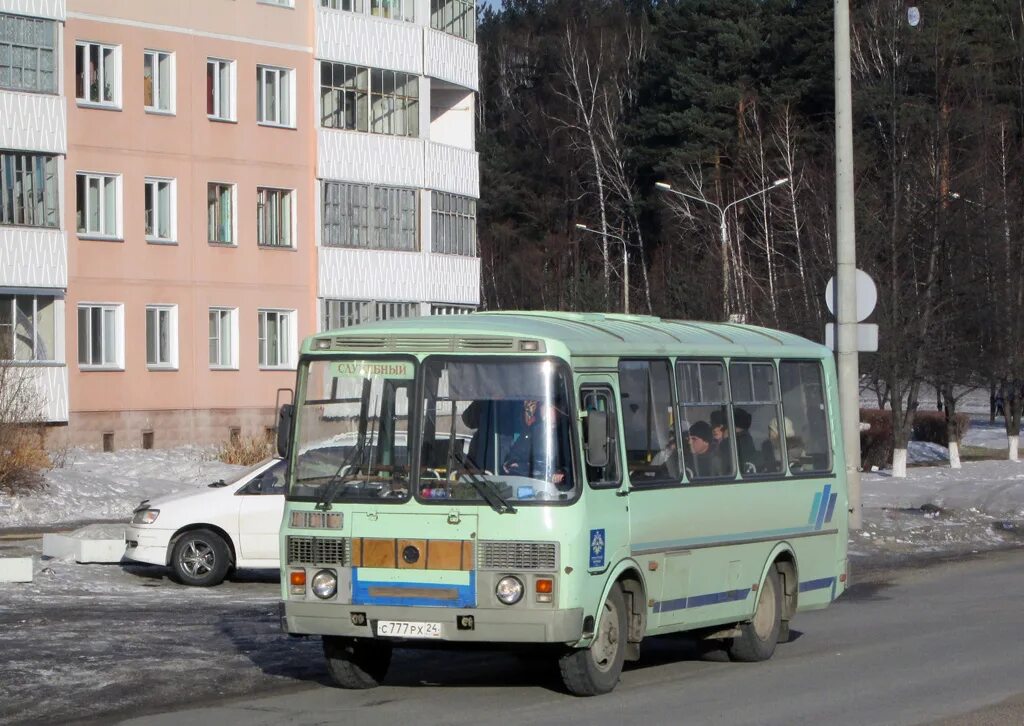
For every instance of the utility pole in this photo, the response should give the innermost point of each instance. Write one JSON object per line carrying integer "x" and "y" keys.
{"x": 846, "y": 264}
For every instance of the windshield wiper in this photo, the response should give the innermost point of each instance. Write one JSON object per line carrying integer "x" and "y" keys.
{"x": 489, "y": 494}
{"x": 334, "y": 484}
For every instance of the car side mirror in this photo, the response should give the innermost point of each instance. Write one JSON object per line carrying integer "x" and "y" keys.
{"x": 597, "y": 439}
{"x": 285, "y": 415}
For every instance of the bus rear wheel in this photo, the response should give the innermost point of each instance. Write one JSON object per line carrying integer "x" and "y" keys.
{"x": 355, "y": 663}
{"x": 758, "y": 638}
{"x": 596, "y": 670}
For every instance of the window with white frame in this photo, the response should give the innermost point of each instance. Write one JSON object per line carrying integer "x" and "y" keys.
{"x": 28, "y": 54}
{"x": 220, "y": 89}
{"x": 352, "y": 6}
{"x": 28, "y": 327}
{"x": 374, "y": 217}
{"x": 453, "y": 224}
{"x": 276, "y": 335}
{"x": 336, "y": 314}
{"x": 274, "y": 99}
{"x": 282, "y": 3}
{"x": 274, "y": 217}
{"x": 394, "y": 103}
{"x": 158, "y": 81}
{"x": 223, "y": 338}
{"x": 162, "y": 336}
{"x": 455, "y": 17}
{"x": 98, "y": 73}
{"x": 159, "y": 209}
{"x": 220, "y": 213}
{"x": 29, "y": 192}
{"x": 394, "y": 9}
{"x": 98, "y": 204}
{"x": 359, "y": 98}
{"x": 100, "y": 335}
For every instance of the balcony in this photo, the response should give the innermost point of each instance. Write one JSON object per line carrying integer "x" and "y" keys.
{"x": 32, "y": 257}
{"x": 365, "y": 40}
{"x": 451, "y": 59}
{"x": 51, "y": 390}
{"x": 53, "y": 9}
{"x": 452, "y": 169}
{"x": 33, "y": 122}
{"x": 413, "y": 276}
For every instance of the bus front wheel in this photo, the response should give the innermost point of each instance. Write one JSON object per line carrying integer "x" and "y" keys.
{"x": 357, "y": 664}
{"x": 758, "y": 638}
{"x": 595, "y": 670}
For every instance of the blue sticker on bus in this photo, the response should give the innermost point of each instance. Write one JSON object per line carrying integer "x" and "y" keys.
{"x": 597, "y": 548}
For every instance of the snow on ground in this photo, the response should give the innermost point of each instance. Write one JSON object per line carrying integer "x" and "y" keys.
{"x": 95, "y": 485}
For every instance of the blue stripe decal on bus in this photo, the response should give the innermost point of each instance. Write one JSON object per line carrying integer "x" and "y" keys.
{"x": 819, "y": 584}
{"x": 831, "y": 508}
{"x": 465, "y": 594}
{"x": 814, "y": 509}
{"x": 821, "y": 510}
{"x": 697, "y": 601}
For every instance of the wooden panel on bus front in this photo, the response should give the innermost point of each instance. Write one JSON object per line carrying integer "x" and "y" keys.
{"x": 435, "y": 554}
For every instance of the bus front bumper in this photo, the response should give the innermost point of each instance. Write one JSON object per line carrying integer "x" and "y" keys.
{"x": 491, "y": 625}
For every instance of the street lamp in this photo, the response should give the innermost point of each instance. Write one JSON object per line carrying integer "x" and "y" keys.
{"x": 723, "y": 228}
{"x": 625, "y": 261}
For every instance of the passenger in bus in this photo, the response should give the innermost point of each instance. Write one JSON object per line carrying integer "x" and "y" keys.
{"x": 722, "y": 446}
{"x": 771, "y": 449}
{"x": 706, "y": 463}
{"x": 543, "y": 424}
{"x": 746, "y": 450}
{"x": 667, "y": 459}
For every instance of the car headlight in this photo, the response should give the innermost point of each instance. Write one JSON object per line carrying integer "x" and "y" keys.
{"x": 325, "y": 584}
{"x": 509, "y": 590}
{"x": 145, "y": 516}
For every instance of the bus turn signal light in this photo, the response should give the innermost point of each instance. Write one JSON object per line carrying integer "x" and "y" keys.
{"x": 297, "y": 579}
{"x": 544, "y": 587}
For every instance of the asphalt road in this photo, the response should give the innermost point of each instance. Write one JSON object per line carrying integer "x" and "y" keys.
{"x": 936, "y": 644}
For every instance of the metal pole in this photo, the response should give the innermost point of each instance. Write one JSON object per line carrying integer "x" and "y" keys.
{"x": 846, "y": 264}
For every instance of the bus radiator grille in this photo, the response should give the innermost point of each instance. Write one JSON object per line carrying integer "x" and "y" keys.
{"x": 517, "y": 556}
{"x": 318, "y": 550}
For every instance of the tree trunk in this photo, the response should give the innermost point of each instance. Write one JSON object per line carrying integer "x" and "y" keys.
{"x": 948, "y": 402}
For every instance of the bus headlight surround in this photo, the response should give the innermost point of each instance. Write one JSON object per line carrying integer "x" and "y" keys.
{"x": 509, "y": 590}
{"x": 325, "y": 584}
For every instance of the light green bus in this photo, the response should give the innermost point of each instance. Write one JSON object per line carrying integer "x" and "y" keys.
{"x": 571, "y": 482}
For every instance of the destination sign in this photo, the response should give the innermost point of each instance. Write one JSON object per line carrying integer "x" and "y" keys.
{"x": 387, "y": 369}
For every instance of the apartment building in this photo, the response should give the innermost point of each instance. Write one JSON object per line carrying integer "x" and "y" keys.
{"x": 189, "y": 188}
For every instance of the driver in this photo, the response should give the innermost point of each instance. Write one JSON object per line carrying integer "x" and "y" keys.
{"x": 537, "y": 452}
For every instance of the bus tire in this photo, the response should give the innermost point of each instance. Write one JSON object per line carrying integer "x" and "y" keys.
{"x": 356, "y": 663}
{"x": 596, "y": 670}
{"x": 758, "y": 637}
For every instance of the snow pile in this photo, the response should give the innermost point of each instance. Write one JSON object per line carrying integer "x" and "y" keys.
{"x": 925, "y": 452}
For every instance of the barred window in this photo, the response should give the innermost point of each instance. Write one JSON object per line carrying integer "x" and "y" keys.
{"x": 28, "y": 190}
{"x": 456, "y": 17}
{"x": 28, "y": 54}
{"x": 437, "y": 309}
{"x": 346, "y": 313}
{"x": 453, "y": 224}
{"x": 371, "y": 217}
{"x": 358, "y": 98}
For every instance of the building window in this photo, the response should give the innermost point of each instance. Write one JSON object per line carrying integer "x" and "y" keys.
{"x": 220, "y": 219}
{"x": 274, "y": 96}
{"x": 453, "y": 224}
{"x": 28, "y": 54}
{"x": 456, "y": 17}
{"x": 162, "y": 336}
{"x": 223, "y": 339}
{"x": 98, "y": 207}
{"x": 27, "y": 327}
{"x": 357, "y": 98}
{"x": 442, "y": 309}
{"x": 158, "y": 81}
{"x": 274, "y": 217}
{"x": 394, "y": 9}
{"x": 220, "y": 89}
{"x": 98, "y": 74}
{"x": 100, "y": 335}
{"x": 159, "y": 206}
{"x": 275, "y": 338}
{"x": 352, "y": 6}
{"x": 29, "y": 193}
{"x": 337, "y": 314}
{"x": 282, "y": 3}
{"x": 372, "y": 217}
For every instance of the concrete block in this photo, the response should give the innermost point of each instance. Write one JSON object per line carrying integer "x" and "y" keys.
{"x": 15, "y": 569}
{"x": 100, "y": 550}
{"x": 89, "y": 544}
{"x": 59, "y": 546}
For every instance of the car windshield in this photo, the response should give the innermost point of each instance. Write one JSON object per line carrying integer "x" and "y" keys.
{"x": 352, "y": 430}
{"x": 495, "y": 432}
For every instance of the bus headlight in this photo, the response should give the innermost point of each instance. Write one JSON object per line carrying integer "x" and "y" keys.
{"x": 325, "y": 584}
{"x": 509, "y": 590}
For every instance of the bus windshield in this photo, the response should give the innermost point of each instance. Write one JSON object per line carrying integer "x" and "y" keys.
{"x": 353, "y": 428}
{"x": 495, "y": 430}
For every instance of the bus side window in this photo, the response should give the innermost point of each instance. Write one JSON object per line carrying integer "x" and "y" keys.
{"x": 645, "y": 390}
{"x": 755, "y": 411}
{"x": 602, "y": 399}
{"x": 704, "y": 419}
{"x": 803, "y": 402}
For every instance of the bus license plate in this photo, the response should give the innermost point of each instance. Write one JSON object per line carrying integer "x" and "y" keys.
{"x": 403, "y": 629}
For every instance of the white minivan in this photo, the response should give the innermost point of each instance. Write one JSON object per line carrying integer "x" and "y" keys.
{"x": 204, "y": 535}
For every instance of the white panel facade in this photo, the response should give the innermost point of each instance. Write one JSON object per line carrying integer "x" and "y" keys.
{"x": 369, "y": 158}
{"x": 53, "y": 9}
{"x": 51, "y": 390}
{"x": 351, "y": 274}
{"x": 33, "y": 122}
{"x": 451, "y": 59}
{"x": 33, "y": 258}
{"x": 452, "y": 169}
{"x": 366, "y": 40}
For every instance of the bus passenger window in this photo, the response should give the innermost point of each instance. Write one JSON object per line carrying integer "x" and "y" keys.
{"x": 803, "y": 402}
{"x": 755, "y": 409}
{"x": 704, "y": 416}
{"x": 645, "y": 390}
{"x": 602, "y": 399}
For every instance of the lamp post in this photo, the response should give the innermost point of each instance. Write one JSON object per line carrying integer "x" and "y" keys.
{"x": 625, "y": 261}
{"x": 723, "y": 228}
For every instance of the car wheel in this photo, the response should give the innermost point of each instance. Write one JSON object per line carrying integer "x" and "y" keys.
{"x": 200, "y": 558}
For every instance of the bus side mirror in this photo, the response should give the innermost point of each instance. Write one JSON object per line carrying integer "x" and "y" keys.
{"x": 285, "y": 414}
{"x": 597, "y": 439}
